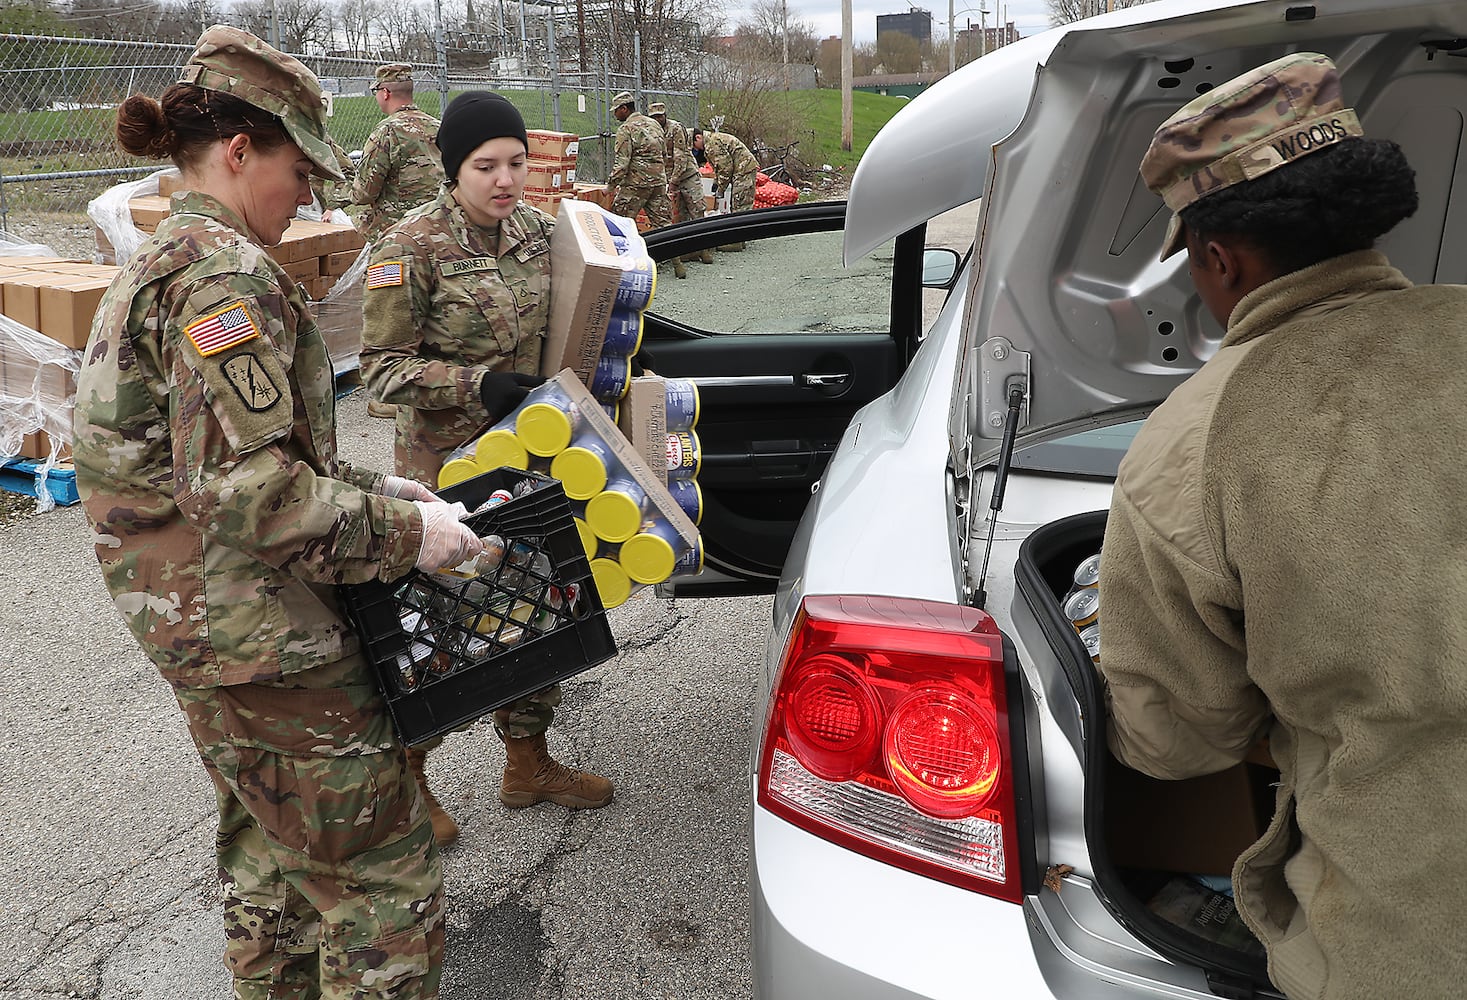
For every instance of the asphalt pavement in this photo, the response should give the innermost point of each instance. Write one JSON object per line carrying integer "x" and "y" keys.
{"x": 108, "y": 888}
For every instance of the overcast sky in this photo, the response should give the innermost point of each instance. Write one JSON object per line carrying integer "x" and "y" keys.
{"x": 1029, "y": 16}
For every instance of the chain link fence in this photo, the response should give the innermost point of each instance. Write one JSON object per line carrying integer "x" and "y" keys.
{"x": 58, "y": 98}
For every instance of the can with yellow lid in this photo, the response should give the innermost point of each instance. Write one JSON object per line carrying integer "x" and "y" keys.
{"x": 456, "y": 470}
{"x": 684, "y": 455}
{"x": 682, "y": 404}
{"x": 623, "y": 333}
{"x": 615, "y": 513}
{"x": 689, "y": 496}
{"x": 584, "y": 467}
{"x": 545, "y": 427}
{"x": 650, "y": 555}
{"x": 500, "y": 449}
{"x": 612, "y": 582}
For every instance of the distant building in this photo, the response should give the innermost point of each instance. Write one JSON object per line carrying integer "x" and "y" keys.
{"x": 915, "y": 24}
{"x": 974, "y": 41}
{"x": 906, "y": 85}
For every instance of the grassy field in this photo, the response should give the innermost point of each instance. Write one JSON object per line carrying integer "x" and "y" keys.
{"x": 62, "y": 141}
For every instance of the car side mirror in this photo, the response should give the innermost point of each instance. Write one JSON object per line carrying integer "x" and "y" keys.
{"x": 939, "y": 267}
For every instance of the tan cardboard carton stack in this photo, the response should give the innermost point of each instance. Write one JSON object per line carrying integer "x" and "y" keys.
{"x": 552, "y": 163}
{"x": 315, "y": 254}
{"x": 57, "y": 299}
{"x": 598, "y": 194}
{"x": 642, "y": 417}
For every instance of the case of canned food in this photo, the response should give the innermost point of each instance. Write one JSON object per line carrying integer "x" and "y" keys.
{"x": 451, "y": 646}
{"x": 636, "y": 531}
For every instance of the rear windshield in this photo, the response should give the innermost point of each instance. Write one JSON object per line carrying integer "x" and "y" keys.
{"x": 1094, "y": 453}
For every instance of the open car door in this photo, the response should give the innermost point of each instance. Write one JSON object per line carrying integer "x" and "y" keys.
{"x": 785, "y": 345}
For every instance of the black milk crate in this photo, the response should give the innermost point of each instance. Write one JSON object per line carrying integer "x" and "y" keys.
{"x": 449, "y": 650}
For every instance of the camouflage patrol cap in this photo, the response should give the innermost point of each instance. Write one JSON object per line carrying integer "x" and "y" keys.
{"x": 1252, "y": 125}
{"x": 235, "y": 62}
{"x": 622, "y": 98}
{"x": 395, "y": 73}
{"x": 656, "y": 108}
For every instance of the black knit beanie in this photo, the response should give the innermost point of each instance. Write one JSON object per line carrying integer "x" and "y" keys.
{"x": 472, "y": 119}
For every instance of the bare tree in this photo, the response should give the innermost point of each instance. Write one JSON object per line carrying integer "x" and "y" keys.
{"x": 899, "y": 53}
{"x": 354, "y": 21}
{"x": 304, "y": 25}
{"x": 768, "y": 24}
{"x": 1065, "y": 11}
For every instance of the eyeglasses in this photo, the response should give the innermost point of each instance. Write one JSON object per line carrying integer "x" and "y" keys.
{"x": 380, "y": 86}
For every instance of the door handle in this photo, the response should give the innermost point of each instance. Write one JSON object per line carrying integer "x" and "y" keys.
{"x": 815, "y": 381}
{"x": 743, "y": 381}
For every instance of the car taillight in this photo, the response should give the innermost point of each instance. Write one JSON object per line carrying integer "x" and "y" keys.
{"x": 888, "y": 734}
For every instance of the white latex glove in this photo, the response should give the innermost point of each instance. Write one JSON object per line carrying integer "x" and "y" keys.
{"x": 446, "y": 541}
{"x": 408, "y": 489}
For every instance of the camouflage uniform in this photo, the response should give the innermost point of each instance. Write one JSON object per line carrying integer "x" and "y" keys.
{"x": 400, "y": 169}
{"x": 638, "y": 175}
{"x": 734, "y": 168}
{"x": 333, "y": 194}
{"x": 447, "y": 301}
{"x": 206, "y": 459}
{"x": 683, "y": 180}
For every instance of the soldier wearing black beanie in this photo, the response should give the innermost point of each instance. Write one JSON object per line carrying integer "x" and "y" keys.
{"x": 472, "y": 119}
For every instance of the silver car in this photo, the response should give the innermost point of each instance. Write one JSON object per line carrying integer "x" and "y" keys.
{"x": 934, "y": 813}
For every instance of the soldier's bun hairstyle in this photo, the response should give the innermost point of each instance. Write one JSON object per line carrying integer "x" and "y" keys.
{"x": 1335, "y": 201}
{"x": 187, "y": 120}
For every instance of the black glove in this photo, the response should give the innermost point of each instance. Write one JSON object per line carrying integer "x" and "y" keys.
{"x": 643, "y": 362}
{"x": 503, "y": 391}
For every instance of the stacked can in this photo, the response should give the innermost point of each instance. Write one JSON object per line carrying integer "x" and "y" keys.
{"x": 684, "y": 450}
{"x": 628, "y": 542}
{"x": 613, "y": 374}
{"x": 1082, "y": 604}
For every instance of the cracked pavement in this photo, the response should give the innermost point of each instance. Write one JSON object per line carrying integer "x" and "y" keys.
{"x": 109, "y": 889}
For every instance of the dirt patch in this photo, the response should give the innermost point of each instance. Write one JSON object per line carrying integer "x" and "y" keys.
{"x": 15, "y": 507}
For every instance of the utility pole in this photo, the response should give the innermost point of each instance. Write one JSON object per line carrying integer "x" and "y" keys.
{"x": 952, "y": 42}
{"x": 784, "y": 39}
{"x": 847, "y": 113}
{"x": 581, "y": 27}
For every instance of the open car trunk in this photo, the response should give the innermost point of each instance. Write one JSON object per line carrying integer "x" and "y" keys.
{"x": 1150, "y": 840}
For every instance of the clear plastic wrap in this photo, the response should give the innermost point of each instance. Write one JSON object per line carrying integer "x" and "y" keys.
{"x": 339, "y": 315}
{"x": 110, "y": 213}
{"x": 37, "y": 394}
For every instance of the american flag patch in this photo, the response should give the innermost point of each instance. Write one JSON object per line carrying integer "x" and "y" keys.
{"x": 222, "y": 330}
{"x": 386, "y": 274}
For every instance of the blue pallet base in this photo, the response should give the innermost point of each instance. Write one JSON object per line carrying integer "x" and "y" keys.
{"x": 19, "y": 476}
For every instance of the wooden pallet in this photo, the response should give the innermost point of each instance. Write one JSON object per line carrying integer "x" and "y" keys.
{"x": 18, "y": 475}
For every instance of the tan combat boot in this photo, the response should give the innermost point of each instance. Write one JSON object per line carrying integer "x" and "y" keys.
{"x": 732, "y": 248}
{"x": 445, "y": 830}
{"x": 706, "y": 256}
{"x": 678, "y": 269}
{"x": 531, "y": 775}
{"x": 378, "y": 409}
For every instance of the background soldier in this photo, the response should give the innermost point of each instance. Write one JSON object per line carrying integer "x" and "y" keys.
{"x": 401, "y": 168}
{"x": 638, "y": 176}
{"x": 335, "y": 195}
{"x": 684, "y": 183}
{"x": 734, "y": 170}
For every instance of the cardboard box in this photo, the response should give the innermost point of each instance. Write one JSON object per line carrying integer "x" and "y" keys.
{"x": 547, "y": 178}
{"x": 1198, "y": 826}
{"x": 68, "y": 306}
{"x": 338, "y": 263}
{"x": 303, "y": 270}
{"x": 585, "y": 275}
{"x": 597, "y": 194}
{"x": 20, "y": 299}
{"x": 643, "y": 420}
{"x": 38, "y": 445}
{"x": 148, "y": 211}
{"x": 547, "y": 145}
{"x": 169, "y": 183}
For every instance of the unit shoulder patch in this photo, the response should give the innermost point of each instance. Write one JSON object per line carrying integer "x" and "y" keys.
{"x": 219, "y": 331}
{"x": 250, "y": 380}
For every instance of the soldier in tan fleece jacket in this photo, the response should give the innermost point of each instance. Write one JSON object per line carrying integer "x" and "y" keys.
{"x": 1286, "y": 553}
